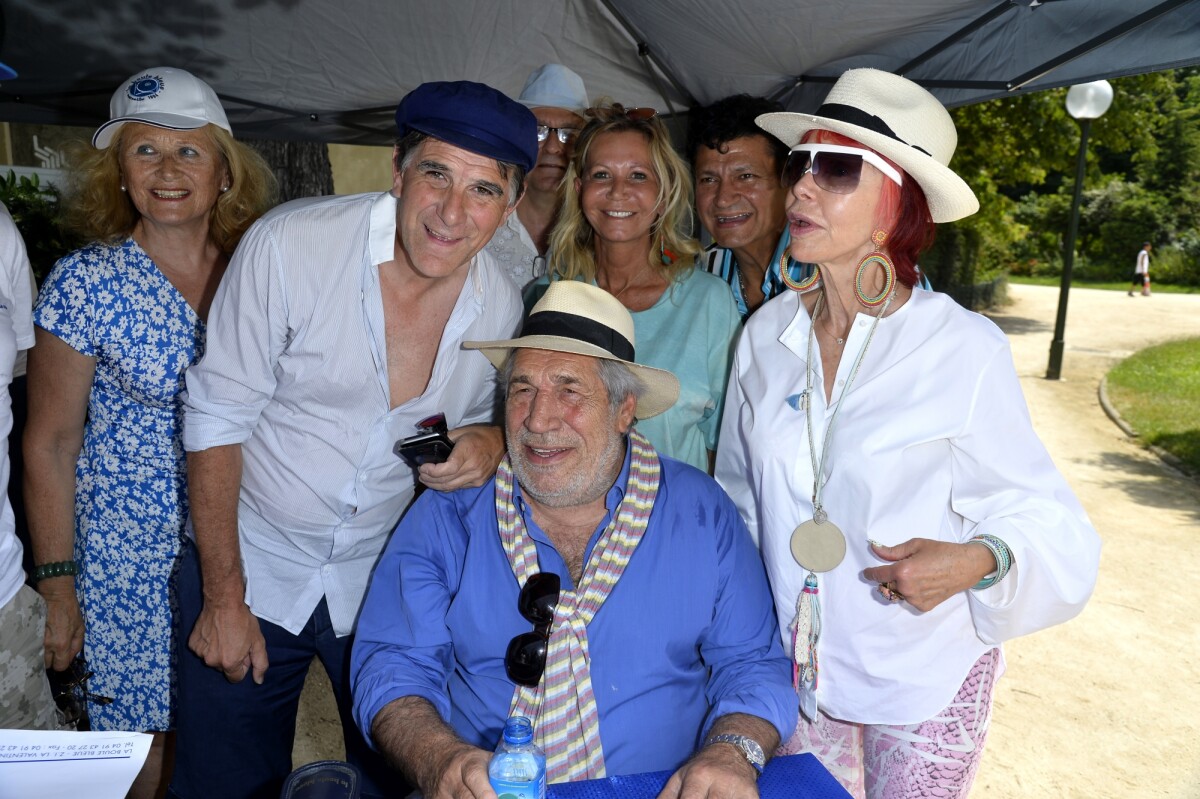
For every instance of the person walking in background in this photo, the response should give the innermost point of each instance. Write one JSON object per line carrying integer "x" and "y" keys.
{"x": 1141, "y": 272}
{"x": 165, "y": 193}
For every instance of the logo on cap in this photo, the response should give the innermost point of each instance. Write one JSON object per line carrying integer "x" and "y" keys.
{"x": 146, "y": 87}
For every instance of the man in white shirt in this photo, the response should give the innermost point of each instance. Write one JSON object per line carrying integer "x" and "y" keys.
{"x": 558, "y": 99}
{"x": 335, "y": 331}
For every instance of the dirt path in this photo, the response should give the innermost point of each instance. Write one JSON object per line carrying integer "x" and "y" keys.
{"x": 1107, "y": 705}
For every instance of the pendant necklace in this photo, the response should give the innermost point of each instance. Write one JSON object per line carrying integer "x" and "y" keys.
{"x": 817, "y": 544}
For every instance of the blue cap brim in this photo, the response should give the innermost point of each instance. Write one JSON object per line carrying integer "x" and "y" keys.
{"x": 7, "y": 72}
{"x": 476, "y": 140}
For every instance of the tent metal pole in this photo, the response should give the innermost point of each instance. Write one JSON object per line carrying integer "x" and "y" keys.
{"x": 1021, "y": 81}
{"x": 961, "y": 33}
{"x": 656, "y": 67}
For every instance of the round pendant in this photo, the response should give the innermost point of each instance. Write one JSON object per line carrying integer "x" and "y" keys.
{"x": 818, "y": 546}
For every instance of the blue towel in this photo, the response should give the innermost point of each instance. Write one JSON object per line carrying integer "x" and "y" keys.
{"x": 788, "y": 777}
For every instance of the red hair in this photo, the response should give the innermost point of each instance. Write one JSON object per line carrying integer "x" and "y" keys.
{"x": 902, "y": 211}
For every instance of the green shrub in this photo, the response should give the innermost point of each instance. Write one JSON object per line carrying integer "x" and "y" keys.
{"x": 35, "y": 210}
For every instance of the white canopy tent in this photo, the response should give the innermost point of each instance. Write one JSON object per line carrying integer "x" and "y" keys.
{"x": 333, "y": 70}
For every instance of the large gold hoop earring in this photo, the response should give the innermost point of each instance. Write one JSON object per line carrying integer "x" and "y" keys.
{"x": 802, "y": 285}
{"x": 889, "y": 273}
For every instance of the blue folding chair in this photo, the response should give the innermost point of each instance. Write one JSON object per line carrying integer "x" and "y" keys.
{"x": 324, "y": 779}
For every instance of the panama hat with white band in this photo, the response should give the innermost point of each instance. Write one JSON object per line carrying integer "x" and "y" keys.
{"x": 583, "y": 319}
{"x": 899, "y": 120}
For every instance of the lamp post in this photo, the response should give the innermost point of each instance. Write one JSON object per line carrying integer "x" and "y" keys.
{"x": 1085, "y": 102}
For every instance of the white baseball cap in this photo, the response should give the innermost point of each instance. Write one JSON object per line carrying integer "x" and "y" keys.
{"x": 554, "y": 86}
{"x": 164, "y": 97}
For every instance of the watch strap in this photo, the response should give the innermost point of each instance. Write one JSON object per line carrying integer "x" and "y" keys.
{"x": 749, "y": 748}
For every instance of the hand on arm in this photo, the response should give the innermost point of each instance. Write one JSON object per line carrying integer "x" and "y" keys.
{"x": 720, "y": 770}
{"x": 226, "y": 636}
{"x": 927, "y": 573}
{"x": 414, "y": 739}
{"x": 60, "y": 381}
{"x": 477, "y": 451}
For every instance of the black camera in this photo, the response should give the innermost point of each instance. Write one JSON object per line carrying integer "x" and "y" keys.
{"x": 431, "y": 445}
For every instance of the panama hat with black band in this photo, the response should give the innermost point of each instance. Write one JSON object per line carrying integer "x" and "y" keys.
{"x": 897, "y": 119}
{"x": 582, "y": 319}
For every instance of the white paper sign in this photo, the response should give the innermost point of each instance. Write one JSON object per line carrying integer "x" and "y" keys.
{"x": 70, "y": 765}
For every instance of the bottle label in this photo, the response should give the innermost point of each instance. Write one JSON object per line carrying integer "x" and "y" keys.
{"x": 519, "y": 790}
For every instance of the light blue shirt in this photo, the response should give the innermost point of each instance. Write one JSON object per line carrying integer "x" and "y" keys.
{"x": 296, "y": 372}
{"x": 686, "y": 636}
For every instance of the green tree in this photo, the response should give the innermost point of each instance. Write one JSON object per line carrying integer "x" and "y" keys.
{"x": 1142, "y": 179}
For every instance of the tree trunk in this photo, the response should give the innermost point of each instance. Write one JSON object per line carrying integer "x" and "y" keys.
{"x": 301, "y": 167}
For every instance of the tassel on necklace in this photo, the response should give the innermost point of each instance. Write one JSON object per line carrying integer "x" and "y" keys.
{"x": 806, "y": 633}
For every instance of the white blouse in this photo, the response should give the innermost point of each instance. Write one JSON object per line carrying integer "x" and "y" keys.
{"x": 933, "y": 441}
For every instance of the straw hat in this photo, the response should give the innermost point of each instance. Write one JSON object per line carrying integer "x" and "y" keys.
{"x": 583, "y": 319}
{"x": 896, "y": 118}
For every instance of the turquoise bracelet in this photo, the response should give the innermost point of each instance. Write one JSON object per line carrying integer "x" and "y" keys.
{"x": 61, "y": 568}
{"x": 1002, "y": 555}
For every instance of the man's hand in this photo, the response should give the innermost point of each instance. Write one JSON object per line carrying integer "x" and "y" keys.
{"x": 64, "y": 621}
{"x": 926, "y": 573}
{"x": 477, "y": 451}
{"x": 228, "y": 638}
{"x": 718, "y": 771}
{"x": 412, "y": 737}
{"x": 462, "y": 773}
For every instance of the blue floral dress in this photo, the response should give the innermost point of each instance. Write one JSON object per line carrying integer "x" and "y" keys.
{"x": 110, "y": 302}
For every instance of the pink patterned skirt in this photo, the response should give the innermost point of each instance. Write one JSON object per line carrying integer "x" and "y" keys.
{"x": 935, "y": 758}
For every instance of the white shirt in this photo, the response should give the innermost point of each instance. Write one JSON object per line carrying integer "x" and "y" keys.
{"x": 933, "y": 441}
{"x": 16, "y": 334}
{"x": 295, "y": 371}
{"x": 515, "y": 253}
{"x": 1143, "y": 263}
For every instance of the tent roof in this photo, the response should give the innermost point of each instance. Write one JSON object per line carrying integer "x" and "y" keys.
{"x": 334, "y": 70}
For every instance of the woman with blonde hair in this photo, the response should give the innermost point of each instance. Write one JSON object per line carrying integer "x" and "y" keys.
{"x": 624, "y": 225}
{"x": 166, "y": 194}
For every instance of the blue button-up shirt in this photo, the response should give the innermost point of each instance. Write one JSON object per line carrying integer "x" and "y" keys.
{"x": 686, "y": 636}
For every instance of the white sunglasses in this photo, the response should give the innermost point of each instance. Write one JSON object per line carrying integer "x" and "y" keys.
{"x": 834, "y": 167}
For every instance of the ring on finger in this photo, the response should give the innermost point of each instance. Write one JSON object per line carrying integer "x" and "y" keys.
{"x": 889, "y": 592}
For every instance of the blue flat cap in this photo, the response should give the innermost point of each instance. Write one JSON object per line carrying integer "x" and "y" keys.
{"x": 474, "y": 117}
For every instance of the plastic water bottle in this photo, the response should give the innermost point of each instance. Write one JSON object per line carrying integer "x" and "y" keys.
{"x": 518, "y": 769}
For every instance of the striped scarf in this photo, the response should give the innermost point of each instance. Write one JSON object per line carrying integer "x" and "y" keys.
{"x": 562, "y": 705}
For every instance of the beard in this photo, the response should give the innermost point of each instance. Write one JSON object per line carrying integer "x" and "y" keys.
{"x": 550, "y": 487}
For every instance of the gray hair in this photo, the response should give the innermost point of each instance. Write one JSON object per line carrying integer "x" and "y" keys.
{"x": 618, "y": 379}
{"x": 408, "y": 144}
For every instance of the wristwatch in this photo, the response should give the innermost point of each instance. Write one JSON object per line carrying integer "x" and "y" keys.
{"x": 746, "y": 745}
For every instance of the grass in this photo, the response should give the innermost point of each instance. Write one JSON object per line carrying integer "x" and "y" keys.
{"x": 1122, "y": 285}
{"x": 1158, "y": 392}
